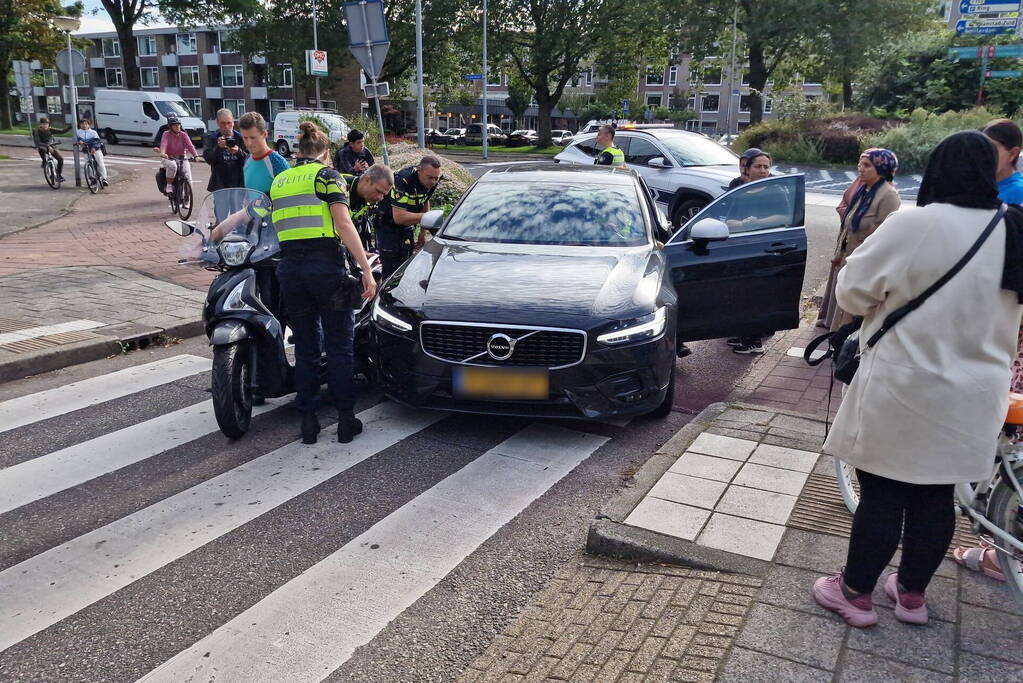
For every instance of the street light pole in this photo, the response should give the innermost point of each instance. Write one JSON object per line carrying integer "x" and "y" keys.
{"x": 486, "y": 130}
{"x": 69, "y": 24}
{"x": 316, "y": 46}
{"x": 420, "y": 113}
{"x": 731, "y": 73}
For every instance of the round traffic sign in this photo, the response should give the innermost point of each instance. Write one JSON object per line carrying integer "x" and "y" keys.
{"x": 70, "y": 63}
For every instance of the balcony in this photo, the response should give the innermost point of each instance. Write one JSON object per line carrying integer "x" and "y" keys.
{"x": 169, "y": 59}
{"x": 97, "y": 62}
{"x": 39, "y": 91}
{"x": 214, "y": 93}
{"x": 211, "y": 59}
{"x": 257, "y": 93}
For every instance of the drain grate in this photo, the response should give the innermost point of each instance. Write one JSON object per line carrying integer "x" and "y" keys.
{"x": 8, "y": 325}
{"x": 47, "y": 342}
{"x": 820, "y": 509}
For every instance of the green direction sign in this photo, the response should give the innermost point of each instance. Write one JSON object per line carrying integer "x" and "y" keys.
{"x": 1004, "y": 74}
{"x": 991, "y": 51}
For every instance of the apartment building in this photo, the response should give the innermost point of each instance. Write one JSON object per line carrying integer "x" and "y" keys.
{"x": 200, "y": 66}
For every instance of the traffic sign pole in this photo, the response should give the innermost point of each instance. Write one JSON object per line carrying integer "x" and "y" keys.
{"x": 369, "y": 44}
{"x": 486, "y": 130}
{"x": 316, "y": 46}
{"x": 420, "y": 113}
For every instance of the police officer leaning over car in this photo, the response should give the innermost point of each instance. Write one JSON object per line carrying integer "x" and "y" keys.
{"x": 611, "y": 155}
{"x": 310, "y": 212}
{"x": 365, "y": 191}
{"x": 404, "y": 207}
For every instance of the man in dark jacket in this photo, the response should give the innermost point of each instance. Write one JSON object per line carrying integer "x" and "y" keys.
{"x": 354, "y": 157}
{"x": 225, "y": 152}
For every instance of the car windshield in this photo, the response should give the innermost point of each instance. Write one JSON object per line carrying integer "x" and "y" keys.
{"x": 694, "y": 150}
{"x": 175, "y": 107}
{"x": 549, "y": 213}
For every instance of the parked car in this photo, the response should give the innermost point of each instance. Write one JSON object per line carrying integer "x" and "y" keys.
{"x": 431, "y": 136}
{"x": 132, "y": 116}
{"x": 474, "y": 134}
{"x": 684, "y": 170}
{"x": 452, "y": 136}
{"x": 522, "y": 137}
{"x": 286, "y": 125}
{"x": 561, "y": 137}
{"x": 547, "y": 292}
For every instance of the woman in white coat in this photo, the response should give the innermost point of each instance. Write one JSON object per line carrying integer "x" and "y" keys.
{"x": 924, "y": 409}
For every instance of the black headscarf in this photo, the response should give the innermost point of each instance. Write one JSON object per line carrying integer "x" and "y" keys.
{"x": 961, "y": 172}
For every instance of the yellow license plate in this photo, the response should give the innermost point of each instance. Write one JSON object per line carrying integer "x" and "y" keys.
{"x": 499, "y": 383}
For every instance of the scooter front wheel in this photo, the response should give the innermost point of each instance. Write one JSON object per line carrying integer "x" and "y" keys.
{"x": 232, "y": 396}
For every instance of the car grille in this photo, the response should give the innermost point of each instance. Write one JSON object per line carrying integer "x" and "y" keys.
{"x": 543, "y": 348}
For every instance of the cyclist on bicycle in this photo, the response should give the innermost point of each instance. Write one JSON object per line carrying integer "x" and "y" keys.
{"x": 42, "y": 137}
{"x": 176, "y": 143}
{"x": 93, "y": 144}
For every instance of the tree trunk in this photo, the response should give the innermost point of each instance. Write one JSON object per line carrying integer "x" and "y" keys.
{"x": 544, "y": 106}
{"x": 847, "y": 92}
{"x": 757, "y": 82}
{"x": 5, "y": 73}
{"x": 129, "y": 53}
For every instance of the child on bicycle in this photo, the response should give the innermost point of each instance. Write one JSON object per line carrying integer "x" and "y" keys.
{"x": 92, "y": 143}
{"x": 42, "y": 137}
{"x": 176, "y": 143}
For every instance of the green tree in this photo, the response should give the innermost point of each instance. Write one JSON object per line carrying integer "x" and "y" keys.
{"x": 26, "y": 33}
{"x": 519, "y": 98}
{"x": 125, "y": 15}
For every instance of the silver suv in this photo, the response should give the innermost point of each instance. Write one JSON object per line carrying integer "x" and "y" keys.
{"x": 684, "y": 170}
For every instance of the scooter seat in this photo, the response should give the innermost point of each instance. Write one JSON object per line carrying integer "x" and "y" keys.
{"x": 1015, "y": 414}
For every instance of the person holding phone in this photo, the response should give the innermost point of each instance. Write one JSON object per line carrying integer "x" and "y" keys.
{"x": 224, "y": 150}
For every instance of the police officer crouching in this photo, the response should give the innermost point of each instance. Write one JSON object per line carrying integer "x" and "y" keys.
{"x": 609, "y": 155}
{"x": 310, "y": 212}
{"x": 404, "y": 207}
{"x": 365, "y": 191}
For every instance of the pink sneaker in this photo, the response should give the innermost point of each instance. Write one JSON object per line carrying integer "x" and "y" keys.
{"x": 858, "y": 612}
{"x": 910, "y": 608}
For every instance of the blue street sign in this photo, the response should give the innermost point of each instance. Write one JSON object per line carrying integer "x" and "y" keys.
{"x": 474, "y": 77}
{"x": 986, "y": 27}
{"x": 625, "y": 106}
{"x": 1004, "y": 74}
{"x": 988, "y": 6}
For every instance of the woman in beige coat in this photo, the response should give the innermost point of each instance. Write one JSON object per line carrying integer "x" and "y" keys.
{"x": 873, "y": 201}
{"x": 924, "y": 409}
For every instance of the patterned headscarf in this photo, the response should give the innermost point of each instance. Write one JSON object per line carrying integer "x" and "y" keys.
{"x": 884, "y": 160}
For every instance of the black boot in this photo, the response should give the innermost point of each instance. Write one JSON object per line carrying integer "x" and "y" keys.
{"x": 348, "y": 427}
{"x": 310, "y": 427}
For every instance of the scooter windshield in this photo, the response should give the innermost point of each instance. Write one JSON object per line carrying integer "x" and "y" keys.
{"x": 238, "y": 217}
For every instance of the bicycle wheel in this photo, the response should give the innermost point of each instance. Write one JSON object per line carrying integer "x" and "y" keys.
{"x": 185, "y": 200}
{"x": 50, "y": 173}
{"x": 172, "y": 197}
{"x": 848, "y": 485}
{"x": 1005, "y": 511}
{"x": 92, "y": 175}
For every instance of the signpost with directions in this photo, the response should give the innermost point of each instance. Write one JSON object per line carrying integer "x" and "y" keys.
{"x": 369, "y": 43}
{"x": 983, "y": 53}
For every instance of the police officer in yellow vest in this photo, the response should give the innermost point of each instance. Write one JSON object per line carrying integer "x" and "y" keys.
{"x": 401, "y": 211}
{"x": 365, "y": 192}
{"x": 310, "y": 212}
{"x": 610, "y": 155}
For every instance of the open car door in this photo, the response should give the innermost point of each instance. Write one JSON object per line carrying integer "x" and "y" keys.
{"x": 738, "y": 265}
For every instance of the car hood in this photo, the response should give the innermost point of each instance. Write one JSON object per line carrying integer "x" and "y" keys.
{"x": 719, "y": 174}
{"x": 529, "y": 284}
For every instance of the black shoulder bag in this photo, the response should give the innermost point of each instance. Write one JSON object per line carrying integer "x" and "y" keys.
{"x": 844, "y": 343}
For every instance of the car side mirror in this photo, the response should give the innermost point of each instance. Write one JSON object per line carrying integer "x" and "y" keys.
{"x": 432, "y": 219}
{"x": 709, "y": 230}
{"x": 181, "y": 227}
{"x": 658, "y": 162}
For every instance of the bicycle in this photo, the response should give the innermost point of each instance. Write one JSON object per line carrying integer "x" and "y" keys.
{"x": 995, "y": 505}
{"x": 181, "y": 193}
{"x": 93, "y": 180}
{"x": 53, "y": 179}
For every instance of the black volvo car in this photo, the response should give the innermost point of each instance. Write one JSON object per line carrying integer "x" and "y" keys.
{"x": 561, "y": 292}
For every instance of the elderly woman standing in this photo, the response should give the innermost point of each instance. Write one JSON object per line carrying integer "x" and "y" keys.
{"x": 874, "y": 201}
{"x": 924, "y": 409}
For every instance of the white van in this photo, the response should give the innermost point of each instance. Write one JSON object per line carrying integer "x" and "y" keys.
{"x": 286, "y": 123}
{"x": 132, "y": 116}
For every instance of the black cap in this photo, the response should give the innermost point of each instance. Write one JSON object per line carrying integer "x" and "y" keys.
{"x": 355, "y": 135}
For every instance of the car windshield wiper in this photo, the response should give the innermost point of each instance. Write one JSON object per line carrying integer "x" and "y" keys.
{"x": 453, "y": 238}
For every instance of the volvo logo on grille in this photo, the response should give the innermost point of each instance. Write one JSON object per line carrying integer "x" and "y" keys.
{"x": 500, "y": 347}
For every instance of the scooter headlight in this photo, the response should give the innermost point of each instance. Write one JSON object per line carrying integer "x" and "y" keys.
{"x": 235, "y": 253}
{"x": 235, "y": 301}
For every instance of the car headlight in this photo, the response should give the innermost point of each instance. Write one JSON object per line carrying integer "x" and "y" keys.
{"x": 235, "y": 300}
{"x": 383, "y": 318}
{"x": 647, "y": 327}
{"x": 235, "y": 253}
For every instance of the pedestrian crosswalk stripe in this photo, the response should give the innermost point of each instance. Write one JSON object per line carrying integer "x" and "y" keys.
{"x": 850, "y": 175}
{"x": 48, "y": 474}
{"x": 349, "y": 597}
{"x": 43, "y": 405}
{"x": 825, "y": 175}
{"x": 55, "y": 584}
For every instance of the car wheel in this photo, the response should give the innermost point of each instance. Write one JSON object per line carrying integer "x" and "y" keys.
{"x": 687, "y": 210}
{"x": 282, "y": 148}
{"x": 110, "y": 136}
{"x": 668, "y": 403}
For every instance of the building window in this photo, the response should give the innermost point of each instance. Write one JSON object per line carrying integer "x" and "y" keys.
{"x": 226, "y": 39}
{"x": 768, "y": 105}
{"x": 111, "y": 47}
{"x": 50, "y": 78}
{"x": 653, "y": 100}
{"x": 744, "y": 104}
{"x": 194, "y": 106}
{"x": 589, "y": 77}
{"x": 495, "y": 79}
{"x": 147, "y": 46}
{"x": 189, "y": 76}
{"x": 282, "y": 76}
{"x": 328, "y": 105}
{"x": 712, "y": 75}
{"x": 745, "y": 77}
{"x": 673, "y": 75}
{"x": 82, "y": 79}
{"x": 150, "y": 77}
{"x": 186, "y": 44}
{"x": 654, "y": 78}
{"x": 674, "y": 52}
{"x": 53, "y": 104}
{"x": 232, "y": 76}
{"x": 710, "y": 103}
{"x": 114, "y": 78}
{"x": 277, "y": 106}
{"x": 237, "y": 107}
{"x": 691, "y": 102}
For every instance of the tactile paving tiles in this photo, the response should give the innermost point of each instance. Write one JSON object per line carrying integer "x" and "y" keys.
{"x": 8, "y": 325}
{"x": 46, "y": 342}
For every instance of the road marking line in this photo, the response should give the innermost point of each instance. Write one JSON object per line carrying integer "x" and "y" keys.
{"x": 43, "y": 405}
{"x": 312, "y": 624}
{"x": 825, "y": 174}
{"x": 49, "y": 474}
{"x": 114, "y": 160}
{"x": 53, "y": 585}
{"x": 918, "y": 178}
{"x": 43, "y": 330}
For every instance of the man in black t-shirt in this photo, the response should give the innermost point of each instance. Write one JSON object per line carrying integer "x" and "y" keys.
{"x": 401, "y": 211}
{"x": 365, "y": 192}
{"x": 354, "y": 157}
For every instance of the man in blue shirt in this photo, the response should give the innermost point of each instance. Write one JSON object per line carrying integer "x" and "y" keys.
{"x": 1008, "y": 141}
{"x": 354, "y": 157}
{"x": 262, "y": 163}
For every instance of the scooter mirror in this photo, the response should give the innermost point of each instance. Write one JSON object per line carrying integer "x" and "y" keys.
{"x": 181, "y": 227}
